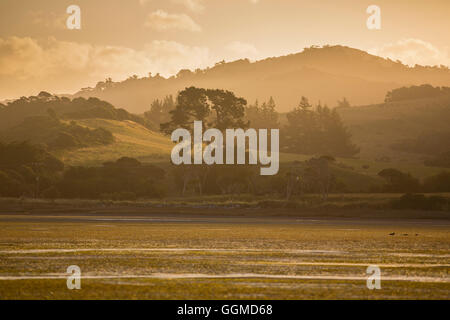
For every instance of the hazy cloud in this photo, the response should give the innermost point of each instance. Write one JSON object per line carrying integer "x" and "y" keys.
{"x": 28, "y": 65}
{"x": 414, "y": 51}
{"x": 162, "y": 21}
{"x": 241, "y": 50}
{"x": 193, "y": 5}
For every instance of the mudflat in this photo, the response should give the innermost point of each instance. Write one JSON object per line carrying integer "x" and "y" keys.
{"x": 183, "y": 254}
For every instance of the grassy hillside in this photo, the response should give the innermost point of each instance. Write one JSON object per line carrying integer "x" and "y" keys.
{"x": 131, "y": 140}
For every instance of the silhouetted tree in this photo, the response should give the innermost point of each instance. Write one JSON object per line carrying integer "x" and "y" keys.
{"x": 321, "y": 131}
{"x": 398, "y": 181}
{"x": 264, "y": 116}
{"x": 344, "y": 103}
{"x": 216, "y": 108}
{"x": 416, "y": 92}
{"x": 438, "y": 183}
{"x": 160, "y": 111}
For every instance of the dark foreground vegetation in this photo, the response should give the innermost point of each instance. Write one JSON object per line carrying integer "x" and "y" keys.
{"x": 27, "y": 171}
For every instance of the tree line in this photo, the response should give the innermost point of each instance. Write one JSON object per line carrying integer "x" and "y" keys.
{"x": 416, "y": 92}
{"x": 308, "y": 129}
{"x": 27, "y": 170}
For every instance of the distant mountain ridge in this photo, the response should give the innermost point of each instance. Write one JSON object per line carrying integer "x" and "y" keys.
{"x": 323, "y": 74}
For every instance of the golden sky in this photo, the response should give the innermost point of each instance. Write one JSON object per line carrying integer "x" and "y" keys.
{"x": 121, "y": 38}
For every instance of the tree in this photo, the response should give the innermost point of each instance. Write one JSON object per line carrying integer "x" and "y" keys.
{"x": 304, "y": 104}
{"x": 160, "y": 111}
{"x": 438, "y": 183}
{"x": 299, "y": 131}
{"x": 344, "y": 103}
{"x": 398, "y": 181}
{"x": 293, "y": 179}
{"x": 264, "y": 116}
{"x": 319, "y": 171}
{"x": 318, "y": 131}
{"x": 192, "y": 104}
{"x": 124, "y": 179}
{"x": 416, "y": 92}
{"x": 228, "y": 109}
{"x": 26, "y": 169}
{"x": 216, "y": 108}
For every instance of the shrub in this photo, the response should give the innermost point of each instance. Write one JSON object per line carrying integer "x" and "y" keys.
{"x": 438, "y": 183}
{"x": 420, "y": 202}
{"x": 51, "y": 193}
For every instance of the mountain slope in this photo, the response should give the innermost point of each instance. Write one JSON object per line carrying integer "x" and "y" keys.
{"x": 326, "y": 74}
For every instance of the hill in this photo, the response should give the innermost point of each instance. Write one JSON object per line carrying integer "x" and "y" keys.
{"x": 87, "y": 130}
{"x": 55, "y": 134}
{"x": 15, "y": 112}
{"x": 321, "y": 73}
{"x": 131, "y": 139}
{"x": 408, "y": 131}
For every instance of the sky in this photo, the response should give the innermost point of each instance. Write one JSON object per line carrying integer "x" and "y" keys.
{"x": 121, "y": 38}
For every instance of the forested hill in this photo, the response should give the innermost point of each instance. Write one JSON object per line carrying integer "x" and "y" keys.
{"x": 15, "y": 112}
{"x": 59, "y": 123}
{"x": 326, "y": 74}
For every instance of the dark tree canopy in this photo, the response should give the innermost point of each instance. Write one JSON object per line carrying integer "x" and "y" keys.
{"x": 26, "y": 169}
{"x": 160, "y": 111}
{"x": 316, "y": 131}
{"x": 397, "y": 181}
{"x": 45, "y": 104}
{"x": 216, "y": 108}
{"x": 262, "y": 116}
{"x": 416, "y": 92}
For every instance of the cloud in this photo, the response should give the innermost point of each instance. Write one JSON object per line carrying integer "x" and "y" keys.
{"x": 413, "y": 51}
{"x": 193, "y": 5}
{"x": 28, "y": 66}
{"x": 163, "y": 21}
{"x": 240, "y": 50}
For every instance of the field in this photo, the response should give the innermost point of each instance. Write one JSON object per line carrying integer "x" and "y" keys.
{"x": 165, "y": 254}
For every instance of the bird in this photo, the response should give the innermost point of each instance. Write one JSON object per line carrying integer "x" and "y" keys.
{"x": 392, "y": 234}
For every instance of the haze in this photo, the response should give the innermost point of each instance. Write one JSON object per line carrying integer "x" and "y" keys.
{"x": 119, "y": 39}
